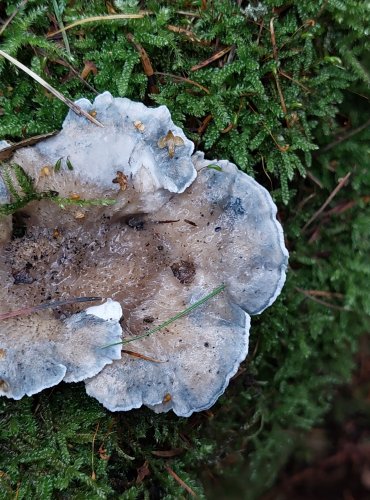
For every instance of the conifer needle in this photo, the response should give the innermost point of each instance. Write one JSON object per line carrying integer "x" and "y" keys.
{"x": 47, "y": 305}
{"x": 177, "y": 316}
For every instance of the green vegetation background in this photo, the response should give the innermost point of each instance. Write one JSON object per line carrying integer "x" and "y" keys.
{"x": 289, "y": 103}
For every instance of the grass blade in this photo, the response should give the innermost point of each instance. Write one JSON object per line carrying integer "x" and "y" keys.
{"x": 58, "y": 15}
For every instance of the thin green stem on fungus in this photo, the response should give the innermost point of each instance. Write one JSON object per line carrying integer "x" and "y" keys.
{"x": 25, "y": 192}
{"x": 177, "y": 316}
{"x": 94, "y": 202}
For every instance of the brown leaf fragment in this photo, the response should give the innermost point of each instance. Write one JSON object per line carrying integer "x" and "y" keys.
{"x": 139, "y": 126}
{"x": 167, "y": 398}
{"x": 110, "y": 8}
{"x": 143, "y": 472}
{"x": 175, "y": 452}
{"x": 170, "y": 141}
{"x": 7, "y": 152}
{"x": 146, "y": 64}
{"x": 103, "y": 453}
{"x": 122, "y": 180}
{"x": 89, "y": 68}
{"x": 145, "y": 61}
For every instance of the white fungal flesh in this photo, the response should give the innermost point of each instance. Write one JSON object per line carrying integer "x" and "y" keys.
{"x": 109, "y": 311}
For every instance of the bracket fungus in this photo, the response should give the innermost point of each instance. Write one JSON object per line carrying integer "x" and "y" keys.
{"x": 180, "y": 226}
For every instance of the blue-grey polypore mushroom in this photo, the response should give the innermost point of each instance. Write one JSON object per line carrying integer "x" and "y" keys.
{"x": 39, "y": 351}
{"x": 181, "y": 226}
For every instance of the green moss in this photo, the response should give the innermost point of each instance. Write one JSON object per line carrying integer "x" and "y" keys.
{"x": 300, "y": 348}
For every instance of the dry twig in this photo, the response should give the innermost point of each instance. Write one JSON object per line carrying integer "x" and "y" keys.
{"x": 10, "y": 18}
{"x": 276, "y": 74}
{"x": 211, "y": 59}
{"x": 183, "y": 79}
{"x": 180, "y": 481}
{"x": 341, "y": 183}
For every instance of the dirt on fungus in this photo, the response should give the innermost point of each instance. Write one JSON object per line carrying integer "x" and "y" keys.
{"x": 56, "y": 255}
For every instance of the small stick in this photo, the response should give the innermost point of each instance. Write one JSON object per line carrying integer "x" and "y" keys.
{"x": 166, "y": 221}
{"x": 321, "y": 293}
{"x": 343, "y": 207}
{"x": 285, "y": 75}
{"x": 314, "y": 179}
{"x": 204, "y": 124}
{"x": 211, "y": 59}
{"x": 323, "y": 302}
{"x": 74, "y": 107}
{"x": 183, "y": 79}
{"x": 141, "y": 356}
{"x": 47, "y": 305}
{"x": 93, "y": 475}
{"x": 180, "y": 481}
{"x": 276, "y": 75}
{"x": 10, "y": 18}
{"x": 189, "y": 34}
{"x": 146, "y": 63}
{"x": 341, "y": 183}
{"x": 343, "y": 138}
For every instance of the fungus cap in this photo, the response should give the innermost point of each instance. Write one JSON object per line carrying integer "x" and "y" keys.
{"x": 179, "y": 229}
{"x": 39, "y": 351}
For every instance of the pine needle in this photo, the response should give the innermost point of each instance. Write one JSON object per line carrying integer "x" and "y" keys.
{"x": 47, "y": 305}
{"x": 177, "y": 316}
{"x": 74, "y": 107}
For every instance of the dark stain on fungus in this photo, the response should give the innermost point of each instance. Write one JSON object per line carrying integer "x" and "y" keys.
{"x": 235, "y": 204}
{"x": 184, "y": 271}
{"x": 22, "y": 278}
